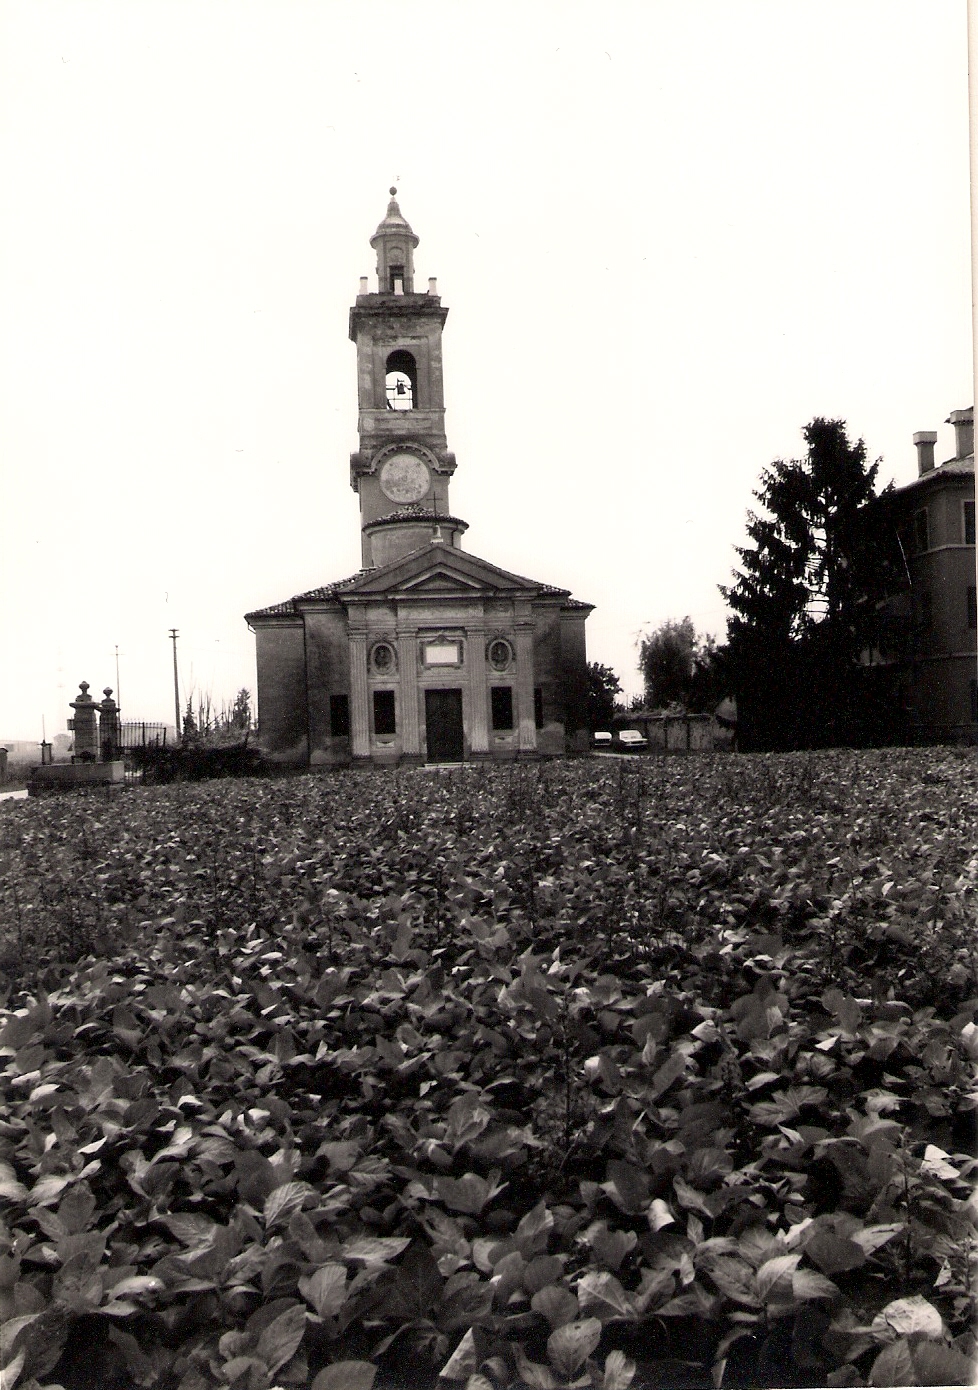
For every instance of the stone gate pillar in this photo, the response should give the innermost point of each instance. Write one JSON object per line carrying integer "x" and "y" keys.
{"x": 108, "y": 726}
{"x": 84, "y": 726}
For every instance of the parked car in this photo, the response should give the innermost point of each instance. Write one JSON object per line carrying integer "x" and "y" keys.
{"x": 601, "y": 740}
{"x": 632, "y": 741}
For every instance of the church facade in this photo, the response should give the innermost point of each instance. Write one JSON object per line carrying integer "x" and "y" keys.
{"x": 428, "y": 653}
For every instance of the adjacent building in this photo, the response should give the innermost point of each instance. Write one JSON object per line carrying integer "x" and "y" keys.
{"x": 930, "y": 669}
{"x": 427, "y": 653}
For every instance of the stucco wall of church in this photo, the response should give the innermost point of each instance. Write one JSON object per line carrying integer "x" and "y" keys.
{"x": 574, "y": 654}
{"x": 281, "y": 670}
{"x": 548, "y": 677}
{"x": 328, "y": 660}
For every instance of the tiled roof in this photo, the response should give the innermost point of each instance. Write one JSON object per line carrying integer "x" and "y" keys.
{"x": 954, "y": 468}
{"x": 291, "y": 605}
{"x": 414, "y": 513}
{"x": 325, "y": 592}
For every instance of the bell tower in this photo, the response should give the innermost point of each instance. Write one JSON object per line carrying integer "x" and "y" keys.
{"x": 402, "y": 467}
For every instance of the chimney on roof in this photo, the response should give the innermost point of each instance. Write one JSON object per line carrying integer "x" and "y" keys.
{"x": 964, "y": 431}
{"x": 925, "y": 441}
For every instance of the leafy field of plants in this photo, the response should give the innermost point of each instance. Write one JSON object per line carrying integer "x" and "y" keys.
{"x": 611, "y": 1073}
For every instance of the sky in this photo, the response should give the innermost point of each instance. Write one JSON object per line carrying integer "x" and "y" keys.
{"x": 669, "y": 233}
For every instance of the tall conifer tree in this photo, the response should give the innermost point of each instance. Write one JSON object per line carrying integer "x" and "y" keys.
{"x": 799, "y": 601}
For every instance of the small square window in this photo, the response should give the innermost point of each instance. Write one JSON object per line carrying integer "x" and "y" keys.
{"x": 501, "y": 697}
{"x": 385, "y": 719}
{"x": 969, "y": 522}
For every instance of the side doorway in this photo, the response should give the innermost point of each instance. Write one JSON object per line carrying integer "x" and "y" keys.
{"x": 445, "y": 737}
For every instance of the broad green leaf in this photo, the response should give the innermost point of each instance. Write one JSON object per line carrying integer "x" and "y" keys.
{"x": 532, "y": 1373}
{"x": 937, "y": 1364}
{"x": 570, "y": 1346}
{"x": 600, "y": 1294}
{"x": 10, "y": 1185}
{"x": 283, "y": 1201}
{"x": 325, "y": 1290}
{"x": 47, "y": 1189}
{"x": 468, "y": 1194}
{"x": 689, "y": 1197}
{"x": 341, "y": 1155}
{"x": 464, "y": 1360}
{"x": 619, "y": 1371}
{"x": 659, "y": 1214}
{"x": 806, "y": 1284}
{"x": 10, "y": 1332}
{"x": 935, "y": 1164}
{"x": 909, "y": 1315}
{"x": 785, "y": 1106}
{"x": 10, "y": 1370}
{"x": 557, "y": 1304}
{"x": 833, "y": 1253}
{"x": 772, "y": 1271}
{"x": 627, "y": 1186}
{"x": 374, "y": 1249}
{"x": 280, "y": 1339}
{"x": 534, "y": 1229}
{"x": 735, "y": 1278}
{"x": 894, "y": 1366}
{"x": 541, "y": 1271}
{"x": 467, "y": 1118}
{"x": 346, "y": 1375}
{"x": 870, "y": 1238}
{"x": 670, "y": 1071}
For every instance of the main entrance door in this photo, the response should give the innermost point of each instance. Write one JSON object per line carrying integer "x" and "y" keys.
{"x": 443, "y": 720}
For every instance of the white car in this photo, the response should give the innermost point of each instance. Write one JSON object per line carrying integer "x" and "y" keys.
{"x": 601, "y": 740}
{"x": 632, "y": 740}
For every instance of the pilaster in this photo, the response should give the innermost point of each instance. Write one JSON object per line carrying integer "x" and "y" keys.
{"x": 524, "y": 688}
{"x": 478, "y": 712}
{"x": 407, "y": 661}
{"x": 359, "y": 697}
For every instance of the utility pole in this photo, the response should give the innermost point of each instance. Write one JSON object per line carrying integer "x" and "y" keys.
{"x": 176, "y": 681}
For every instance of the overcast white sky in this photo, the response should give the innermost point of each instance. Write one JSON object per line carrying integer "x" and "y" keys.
{"x": 669, "y": 233}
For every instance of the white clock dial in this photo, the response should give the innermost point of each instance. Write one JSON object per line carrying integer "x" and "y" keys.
{"x": 404, "y": 478}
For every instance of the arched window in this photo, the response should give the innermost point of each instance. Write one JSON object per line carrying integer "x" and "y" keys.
{"x": 401, "y": 381}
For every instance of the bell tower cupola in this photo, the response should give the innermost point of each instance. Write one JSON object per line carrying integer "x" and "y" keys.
{"x": 402, "y": 467}
{"x": 394, "y": 243}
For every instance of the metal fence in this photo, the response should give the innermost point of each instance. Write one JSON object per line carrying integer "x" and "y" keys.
{"x": 134, "y": 735}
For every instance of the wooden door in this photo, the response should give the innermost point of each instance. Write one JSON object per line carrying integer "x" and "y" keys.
{"x": 443, "y": 721}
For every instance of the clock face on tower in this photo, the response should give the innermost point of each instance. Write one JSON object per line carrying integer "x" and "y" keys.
{"x": 404, "y": 478}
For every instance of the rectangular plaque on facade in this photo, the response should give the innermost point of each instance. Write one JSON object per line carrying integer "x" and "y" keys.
{"x": 443, "y": 654}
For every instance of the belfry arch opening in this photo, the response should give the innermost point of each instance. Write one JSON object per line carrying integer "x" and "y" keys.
{"x": 401, "y": 381}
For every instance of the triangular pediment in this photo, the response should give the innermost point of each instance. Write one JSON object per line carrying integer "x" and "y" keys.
{"x": 439, "y": 569}
{"x": 440, "y": 583}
